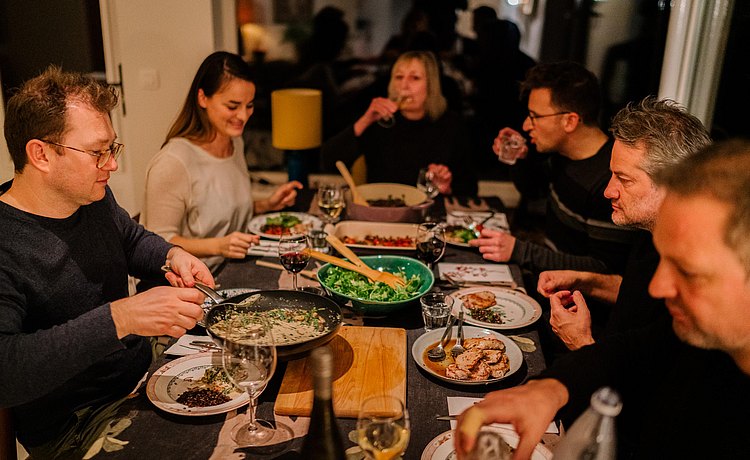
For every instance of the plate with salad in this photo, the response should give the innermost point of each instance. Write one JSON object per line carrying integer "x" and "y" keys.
{"x": 276, "y": 224}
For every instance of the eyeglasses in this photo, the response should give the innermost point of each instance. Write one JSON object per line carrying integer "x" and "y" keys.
{"x": 534, "y": 117}
{"x": 103, "y": 156}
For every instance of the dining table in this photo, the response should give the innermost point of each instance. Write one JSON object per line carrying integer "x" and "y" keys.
{"x": 145, "y": 431}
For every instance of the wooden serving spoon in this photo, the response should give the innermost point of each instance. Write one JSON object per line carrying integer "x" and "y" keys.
{"x": 377, "y": 275}
{"x": 370, "y": 273}
{"x": 356, "y": 197}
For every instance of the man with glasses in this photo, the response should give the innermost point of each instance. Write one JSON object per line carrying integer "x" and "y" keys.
{"x": 563, "y": 103}
{"x": 72, "y": 343}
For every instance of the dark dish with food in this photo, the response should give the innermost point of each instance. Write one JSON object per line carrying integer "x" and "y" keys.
{"x": 390, "y": 202}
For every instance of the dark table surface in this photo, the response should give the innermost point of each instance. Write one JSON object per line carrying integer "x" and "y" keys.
{"x": 154, "y": 433}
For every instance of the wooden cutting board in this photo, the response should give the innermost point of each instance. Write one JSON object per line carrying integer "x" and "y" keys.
{"x": 368, "y": 361}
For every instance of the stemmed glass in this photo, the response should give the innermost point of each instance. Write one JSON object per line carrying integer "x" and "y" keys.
{"x": 331, "y": 202}
{"x": 294, "y": 253}
{"x": 425, "y": 183}
{"x": 383, "y": 427}
{"x": 249, "y": 360}
{"x": 430, "y": 242}
{"x": 389, "y": 121}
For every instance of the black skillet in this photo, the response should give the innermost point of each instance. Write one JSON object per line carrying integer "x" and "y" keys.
{"x": 270, "y": 299}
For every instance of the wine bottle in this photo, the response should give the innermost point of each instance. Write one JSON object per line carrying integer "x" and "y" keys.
{"x": 323, "y": 441}
{"x": 592, "y": 436}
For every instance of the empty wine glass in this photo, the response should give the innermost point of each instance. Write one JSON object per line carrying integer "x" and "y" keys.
{"x": 389, "y": 121}
{"x": 383, "y": 427}
{"x": 331, "y": 202}
{"x": 425, "y": 183}
{"x": 294, "y": 253}
{"x": 249, "y": 360}
{"x": 430, "y": 242}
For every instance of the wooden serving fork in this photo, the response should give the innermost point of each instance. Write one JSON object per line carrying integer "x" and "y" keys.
{"x": 376, "y": 275}
{"x": 371, "y": 274}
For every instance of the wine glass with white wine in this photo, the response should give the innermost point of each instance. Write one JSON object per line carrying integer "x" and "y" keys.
{"x": 331, "y": 202}
{"x": 383, "y": 427}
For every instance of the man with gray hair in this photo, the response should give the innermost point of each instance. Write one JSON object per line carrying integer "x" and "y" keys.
{"x": 649, "y": 136}
{"x": 685, "y": 380}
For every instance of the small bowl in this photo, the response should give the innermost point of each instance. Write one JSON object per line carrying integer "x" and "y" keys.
{"x": 387, "y": 263}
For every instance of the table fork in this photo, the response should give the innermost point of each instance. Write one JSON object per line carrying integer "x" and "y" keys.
{"x": 458, "y": 348}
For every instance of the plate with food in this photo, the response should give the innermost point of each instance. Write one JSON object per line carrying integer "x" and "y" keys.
{"x": 441, "y": 447}
{"x": 367, "y": 235}
{"x": 194, "y": 385}
{"x": 274, "y": 225}
{"x": 496, "y": 307}
{"x": 460, "y": 235}
{"x": 462, "y": 227}
{"x": 489, "y": 356}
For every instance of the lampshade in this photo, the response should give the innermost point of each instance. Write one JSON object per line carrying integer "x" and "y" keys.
{"x": 296, "y": 118}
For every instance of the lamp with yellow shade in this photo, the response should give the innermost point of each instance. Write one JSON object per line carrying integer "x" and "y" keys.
{"x": 296, "y": 125}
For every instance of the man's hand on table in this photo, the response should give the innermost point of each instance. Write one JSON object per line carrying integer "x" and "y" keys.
{"x": 570, "y": 319}
{"x": 494, "y": 245}
{"x": 159, "y": 311}
{"x": 530, "y": 408}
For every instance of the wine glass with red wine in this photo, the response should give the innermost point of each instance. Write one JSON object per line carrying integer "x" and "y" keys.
{"x": 294, "y": 253}
{"x": 430, "y": 242}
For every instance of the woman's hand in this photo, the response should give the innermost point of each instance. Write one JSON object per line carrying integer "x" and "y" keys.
{"x": 379, "y": 108}
{"x": 236, "y": 244}
{"x": 441, "y": 177}
{"x": 283, "y": 196}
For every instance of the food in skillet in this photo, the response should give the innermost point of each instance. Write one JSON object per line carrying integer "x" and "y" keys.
{"x": 390, "y": 202}
{"x": 284, "y": 224}
{"x": 288, "y": 325}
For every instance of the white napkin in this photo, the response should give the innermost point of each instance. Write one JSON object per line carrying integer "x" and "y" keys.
{"x": 183, "y": 348}
{"x": 458, "y": 404}
{"x": 267, "y": 248}
{"x": 477, "y": 273}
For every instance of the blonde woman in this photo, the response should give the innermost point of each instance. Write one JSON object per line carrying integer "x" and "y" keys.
{"x": 423, "y": 133}
{"x": 198, "y": 192}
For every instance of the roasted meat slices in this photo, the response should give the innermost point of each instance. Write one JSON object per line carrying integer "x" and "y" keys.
{"x": 484, "y": 358}
{"x": 484, "y": 343}
{"x": 479, "y": 300}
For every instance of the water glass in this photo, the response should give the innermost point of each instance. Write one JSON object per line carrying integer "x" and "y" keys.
{"x": 425, "y": 183}
{"x": 318, "y": 241}
{"x": 511, "y": 148}
{"x": 436, "y": 309}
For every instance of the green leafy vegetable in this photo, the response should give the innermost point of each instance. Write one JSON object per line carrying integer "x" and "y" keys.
{"x": 355, "y": 285}
{"x": 284, "y": 220}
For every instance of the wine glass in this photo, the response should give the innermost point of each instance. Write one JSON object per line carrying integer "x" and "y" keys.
{"x": 430, "y": 242}
{"x": 294, "y": 253}
{"x": 249, "y": 360}
{"x": 383, "y": 427}
{"x": 425, "y": 183}
{"x": 331, "y": 202}
{"x": 389, "y": 121}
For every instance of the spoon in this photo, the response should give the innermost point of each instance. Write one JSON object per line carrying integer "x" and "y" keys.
{"x": 438, "y": 353}
{"x": 458, "y": 348}
{"x": 356, "y": 196}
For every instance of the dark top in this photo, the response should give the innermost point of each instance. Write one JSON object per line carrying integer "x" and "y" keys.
{"x": 60, "y": 350}
{"x": 396, "y": 154}
{"x": 678, "y": 401}
{"x": 579, "y": 217}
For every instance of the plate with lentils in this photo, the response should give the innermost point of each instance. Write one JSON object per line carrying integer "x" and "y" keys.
{"x": 194, "y": 385}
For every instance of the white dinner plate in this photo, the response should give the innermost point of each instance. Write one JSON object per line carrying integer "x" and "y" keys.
{"x": 256, "y": 223}
{"x": 496, "y": 221}
{"x": 441, "y": 447}
{"x": 430, "y": 338}
{"x": 175, "y": 377}
{"x": 519, "y": 309}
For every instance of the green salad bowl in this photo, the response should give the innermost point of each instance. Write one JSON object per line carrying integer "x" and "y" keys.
{"x": 387, "y": 263}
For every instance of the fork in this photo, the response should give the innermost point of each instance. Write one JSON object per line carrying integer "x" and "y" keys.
{"x": 458, "y": 348}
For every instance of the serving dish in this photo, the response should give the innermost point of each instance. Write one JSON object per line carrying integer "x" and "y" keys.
{"x": 516, "y": 308}
{"x": 177, "y": 376}
{"x": 430, "y": 339}
{"x": 359, "y": 230}
{"x": 388, "y": 263}
{"x": 416, "y": 203}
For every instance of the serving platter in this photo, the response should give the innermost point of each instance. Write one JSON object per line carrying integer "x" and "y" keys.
{"x": 430, "y": 338}
{"x": 516, "y": 308}
{"x": 359, "y": 230}
{"x": 308, "y": 222}
{"x": 175, "y": 377}
{"x": 441, "y": 447}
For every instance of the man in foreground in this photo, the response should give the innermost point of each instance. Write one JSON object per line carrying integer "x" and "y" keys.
{"x": 72, "y": 343}
{"x": 689, "y": 396}
{"x": 649, "y": 136}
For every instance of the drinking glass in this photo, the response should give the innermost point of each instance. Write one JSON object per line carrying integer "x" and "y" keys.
{"x": 436, "y": 308}
{"x": 331, "y": 202}
{"x": 510, "y": 148}
{"x": 425, "y": 184}
{"x": 294, "y": 253}
{"x": 430, "y": 242}
{"x": 389, "y": 121}
{"x": 249, "y": 360}
{"x": 383, "y": 427}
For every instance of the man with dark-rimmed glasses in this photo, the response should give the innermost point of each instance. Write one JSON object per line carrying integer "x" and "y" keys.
{"x": 73, "y": 344}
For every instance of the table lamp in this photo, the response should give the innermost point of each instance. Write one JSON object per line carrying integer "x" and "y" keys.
{"x": 296, "y": 125}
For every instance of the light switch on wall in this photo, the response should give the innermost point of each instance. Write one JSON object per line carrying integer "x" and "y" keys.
{"x": 149, "y": 79}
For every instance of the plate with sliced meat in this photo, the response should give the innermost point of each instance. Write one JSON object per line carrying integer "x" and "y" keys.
{"x": 489, "y": 356}
{"x": 496, "y": 308}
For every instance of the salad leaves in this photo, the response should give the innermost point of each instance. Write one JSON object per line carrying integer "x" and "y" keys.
{"x": 353, "y": 284}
